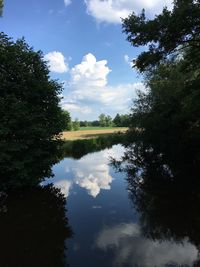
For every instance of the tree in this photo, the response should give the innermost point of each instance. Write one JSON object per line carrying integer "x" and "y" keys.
{"x": 168, "y": 114}
{"x": 125, "y": 120}
{"x": 102, "y": 120}
{"x": 117, "y": 120}
{"x": 76, "y": 125}
{"x": 108, "y": 120}
{"x": 164, "y": 34}
{"x": 30, "y": 117}
{"x": 68, "y": 121}
{"x": 95, "y": 123}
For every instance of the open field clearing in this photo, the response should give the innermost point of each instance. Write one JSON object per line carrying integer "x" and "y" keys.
{"x": 87, "y": 134}
{"x": 99, "y": 128}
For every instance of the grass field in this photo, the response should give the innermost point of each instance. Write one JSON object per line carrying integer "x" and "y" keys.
{"x": 91, "y": 132}
{"x": 98, "y": 128}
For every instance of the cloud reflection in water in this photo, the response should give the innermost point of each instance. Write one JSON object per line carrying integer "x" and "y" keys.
{"x": 91, "y": 172}
{"x": 135, "y": 250}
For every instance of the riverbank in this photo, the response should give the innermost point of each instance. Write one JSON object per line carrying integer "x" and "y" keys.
{"x": 92, "y": 133}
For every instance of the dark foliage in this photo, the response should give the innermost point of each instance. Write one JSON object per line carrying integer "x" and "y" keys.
{"x": 165, "y": 33}
{"x": 34, "y": 228}
{"x": 122, "y": 120}
{"x": 163, "y": 156}
{"x": 30, "y": 116}
{"x": 78, "y": 148}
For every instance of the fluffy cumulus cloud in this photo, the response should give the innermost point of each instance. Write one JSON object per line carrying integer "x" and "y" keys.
{"x": 90, "y": 72}
{"x": 56, "y": 62}
{"x": 135, "y": 250}
{"x": 112, "y": 11}
{"x": 67, "y": 2}
{"x": 89, "y": 93}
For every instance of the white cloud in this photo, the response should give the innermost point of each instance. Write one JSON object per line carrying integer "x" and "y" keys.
{"x": 89, "y": 92}
{"x": 112, "y": 11}
{"x": 90, "y": 72}
{"x": 67, "y": 2}
{"x": 56, "y": 62}
{"x": 72, "y": 107}
{"x": 135, "y": 250}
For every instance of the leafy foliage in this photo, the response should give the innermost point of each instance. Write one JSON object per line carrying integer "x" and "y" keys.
{"x": 163, "y": 156}
{"x": 30, "y": 117}
{"x": 168, "y": 113}
{"x": 76, "y": 125}
{"x": 68, "y": 121}
{"x": 165, "y": 33}
{"x": 121, "y": 120}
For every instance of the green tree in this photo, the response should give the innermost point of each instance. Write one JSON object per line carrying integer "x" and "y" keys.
{"x": 68, "y": 121}
{"x": 169, "y": 112}
{"x": 30, "y": 117}
{"x": 108, "y": 120}
{"x": 102, "y": 120}
{"x": 164, "y": 34}
{"x": 117, "y": 120}
{"x": 76, "y": 125}
{"x": 125, "y": 120}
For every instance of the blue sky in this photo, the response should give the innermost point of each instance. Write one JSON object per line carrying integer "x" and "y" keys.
{"x": 85, "y": 47}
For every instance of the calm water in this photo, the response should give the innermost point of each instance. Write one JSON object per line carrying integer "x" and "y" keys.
{"x": 95, "y": 223}
{"x": 104, "y": 222}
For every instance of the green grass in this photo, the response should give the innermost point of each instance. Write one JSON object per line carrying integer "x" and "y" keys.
{"x": 98, "y": 128}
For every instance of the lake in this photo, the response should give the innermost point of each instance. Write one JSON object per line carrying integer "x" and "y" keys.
{"x": 94, "y": 222}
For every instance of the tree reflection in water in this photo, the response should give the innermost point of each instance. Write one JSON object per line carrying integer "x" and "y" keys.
{"x": 165, "y": 192}
{"x": 34, "y": 228}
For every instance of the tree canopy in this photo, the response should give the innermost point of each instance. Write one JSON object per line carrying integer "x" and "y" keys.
{"x": 30, "y": 117}
{"x": 165, "y": 33}
{"x": 168, "y": 113}
{"x": 163, "y": 155}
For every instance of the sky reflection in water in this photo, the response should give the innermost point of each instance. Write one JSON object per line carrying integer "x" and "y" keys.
{"x": 105, "y": 224}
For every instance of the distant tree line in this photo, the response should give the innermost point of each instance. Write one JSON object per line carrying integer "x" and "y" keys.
{"x": 103, "y": 121}
{"x": 69, "y": 124}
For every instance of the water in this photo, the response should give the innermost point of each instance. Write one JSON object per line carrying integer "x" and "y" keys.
{"x": 105, "y": 224}
{"x": 94, "y": 222}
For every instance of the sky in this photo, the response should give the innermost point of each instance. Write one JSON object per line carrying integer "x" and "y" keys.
{"x": 83, "y": 43}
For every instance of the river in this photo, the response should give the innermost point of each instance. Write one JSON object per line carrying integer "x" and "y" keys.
{"x": 93, "y": 223}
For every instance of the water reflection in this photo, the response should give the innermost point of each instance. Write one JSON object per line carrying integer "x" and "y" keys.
{"x": 34, "y": 228}
{"x": 91, "y": 172}
{"x": 166, "y": 193}
{"x": 79, "y": 148}
{"x": 131, "y": 248}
